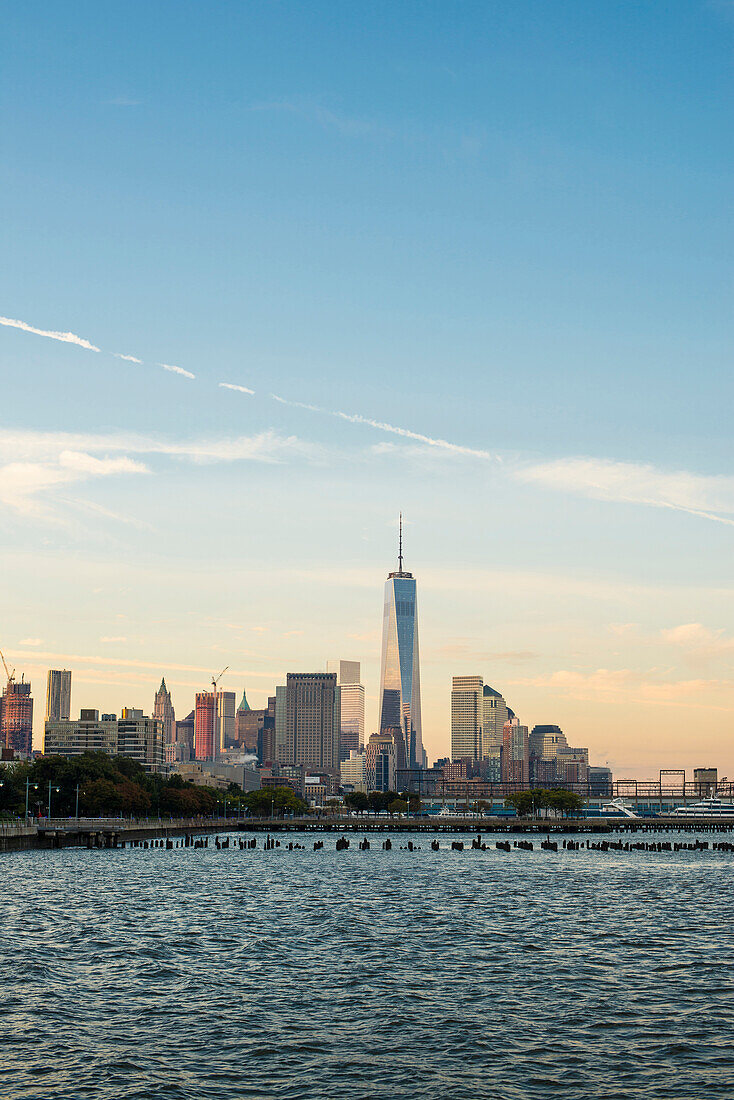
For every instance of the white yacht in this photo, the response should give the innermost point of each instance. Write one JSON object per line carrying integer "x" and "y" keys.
{"x": 708, "y": 807}
{"x": 618, "y": 806}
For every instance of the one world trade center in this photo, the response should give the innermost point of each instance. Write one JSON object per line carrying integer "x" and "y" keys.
{"x": 400, "y": 679}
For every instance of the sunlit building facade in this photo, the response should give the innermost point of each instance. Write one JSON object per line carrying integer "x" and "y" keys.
{"x": 400, "y": 685}
{"x": 58, "y": 694}
{"x": 352, "y": 705}
{"x": 163, "y": 710}
{"x": 467, "y": 715}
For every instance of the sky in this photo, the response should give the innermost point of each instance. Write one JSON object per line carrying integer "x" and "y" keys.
{"x": 273, "y": 271}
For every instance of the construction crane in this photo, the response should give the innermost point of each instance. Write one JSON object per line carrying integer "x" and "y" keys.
{"x": 216, "y": 679}
{"x": 10, "y": 675}
{"x": 217, "y": 747}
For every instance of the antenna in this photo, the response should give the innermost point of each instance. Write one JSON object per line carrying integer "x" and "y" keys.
{"x": 400, "y": 546}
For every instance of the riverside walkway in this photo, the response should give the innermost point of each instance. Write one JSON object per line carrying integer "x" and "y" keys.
{"x": 116, "y": 832}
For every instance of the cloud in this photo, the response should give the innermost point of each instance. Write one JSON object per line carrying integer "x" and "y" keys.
{"x": 38, "y": 462}
{"x": 232, "y": 386}
{"x": 177, "y": 370}
{"x": 113, "y": 638}
{"x": 636, "y": 483}
{"x": 31, "y": 641}
{"x": 22, "y": 482}
{"x": 624, "y": 686}
{"x": 699, "y": 639}
{"x": 406, "y": 433}
{"x": 127, "y": 358}
{"x": 64, "y": 337}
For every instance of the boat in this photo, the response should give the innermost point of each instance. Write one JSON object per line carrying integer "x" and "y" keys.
{"x": 708, "y": 807}
{"x": 618, "y": 807}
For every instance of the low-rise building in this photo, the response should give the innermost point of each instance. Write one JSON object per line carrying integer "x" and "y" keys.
{"x": 132, "y": 734}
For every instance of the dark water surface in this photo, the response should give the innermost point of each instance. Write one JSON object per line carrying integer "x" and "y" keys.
{"x": 199, "y": 975}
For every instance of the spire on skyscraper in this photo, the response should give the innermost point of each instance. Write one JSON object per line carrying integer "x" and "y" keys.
{"x": 400, "y": 544}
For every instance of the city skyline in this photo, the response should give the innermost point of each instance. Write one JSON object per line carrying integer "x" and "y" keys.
{"x": 480, "y": 274}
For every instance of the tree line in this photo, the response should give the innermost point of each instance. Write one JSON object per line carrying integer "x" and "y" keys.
{"x": 110, "y": 785}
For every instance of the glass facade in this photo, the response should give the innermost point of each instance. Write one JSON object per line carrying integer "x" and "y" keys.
{"x": 400, "y": 687}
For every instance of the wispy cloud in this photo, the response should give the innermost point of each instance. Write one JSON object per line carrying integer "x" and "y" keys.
{"x": 636, "y": 483}
{"x": 406, "y": 433}
{"x": 177, "y": 370}
{"x": 38, "y": 462}
{"x": 232, "y": 386}
{"x": 31, "y": 641}
{"x": 64, "y": 337}
{"x": 127, "y": 358}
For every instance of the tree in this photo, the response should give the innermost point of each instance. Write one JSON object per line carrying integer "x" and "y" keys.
{"x": 397, "y": 806}
{"x": 279, "y": 800}
{"x": 357, "y": 800}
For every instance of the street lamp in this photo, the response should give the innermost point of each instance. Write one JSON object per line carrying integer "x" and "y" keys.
{"x": 28, "y": 785}
{"x": 57, "y": 789}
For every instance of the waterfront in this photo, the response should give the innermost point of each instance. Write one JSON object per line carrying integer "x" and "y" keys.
{"x": 198, "y": 973}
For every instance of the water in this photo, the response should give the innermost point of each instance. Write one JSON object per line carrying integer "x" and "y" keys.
{"x": 200, "y": 975}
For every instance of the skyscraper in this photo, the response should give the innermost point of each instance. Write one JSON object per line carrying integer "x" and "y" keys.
{"x": 467, "y": 716}
{"x": 352, "y": 705}
{"x": 16, "y": 717}
{"x": 163, "y": 709}
{"x": 493, "y": 723}
{"x": 515, "y": 753}
{"x": 400, "y": 686}
{"x": 226, "y": 720}
{"x": 205, "y": 726}
{"x": 307, "y": 717}
{"x": 58, "y": 694}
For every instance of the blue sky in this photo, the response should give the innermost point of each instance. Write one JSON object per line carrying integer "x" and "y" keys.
{"x": 505, "y": 226}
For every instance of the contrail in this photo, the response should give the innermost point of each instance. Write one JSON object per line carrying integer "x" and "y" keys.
{"x": 237, "y": 389}
{"x": 177, "y": 370}
{"x": 65, "y": 337}
{"x": 406, "y": 433}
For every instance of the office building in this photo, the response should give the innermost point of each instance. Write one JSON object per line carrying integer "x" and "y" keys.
{"x": 380, "y": 764}
{"x": 226, "y": 721}
{"x": 400, "y": 686}
{"x": 163, "y": 710}
{"x": 352, "y": 705}
{"x": 308, "y": 721}
{"x": 553, "y": 760}
{"x": 205, "y": 726}
{"x": 58, "y": 694}
{"x": 353, "y": 771}
{"x": 494, "y": 716}
{"x": 467, "y": 716}
{"x": 132, "y": 735}
{"x": 185, "y": 736}
{"x": 16, "y": 717}
{"x": 600, "y": 782}
{"x": 249, "y": 725}
{"x": 266, "y": 753}
{"x": 515, "y": 753}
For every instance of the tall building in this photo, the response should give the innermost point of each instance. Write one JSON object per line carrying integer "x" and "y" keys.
{"x": 352, "y": 705}
{"x": 553, "y": 760}
{"x": 515, "y": 753}
{"x": 163, "y": 710}
{"x": 467, "y": 717}
{"x": 308, "y": 720}
{"x": 58, "y": 694}
{"x": 353, "y": 771}
{"x": 185, "y": 736}
{"x": 16, "y": 717}
{"x": 226, "y": 720}
{"x": 249, "y": 725}
{"x": 494, "y": 716}
{"x": 205, "y": 726}
{"x": 132, "y": 735}
{"x": 400, "y": 685}
{"x": 380, "y": 762}
{"x": 266, "y": 737}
